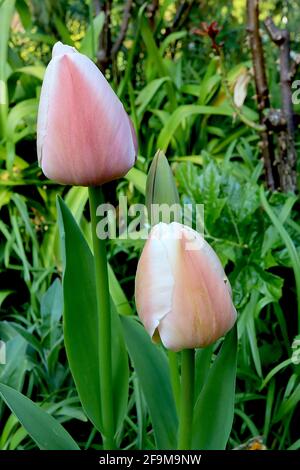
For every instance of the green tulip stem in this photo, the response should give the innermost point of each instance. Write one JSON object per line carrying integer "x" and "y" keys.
{"x": 186, "y": 399}
{"x": 104, "y": 322}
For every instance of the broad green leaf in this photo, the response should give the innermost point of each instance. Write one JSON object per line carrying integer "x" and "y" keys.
{"x": 151, "y": 367}
{"x": 81, "y": 324}
{"x": 43, "y": 428}
{"x": 182, "y": 113}
{"x": 214, "y": 410}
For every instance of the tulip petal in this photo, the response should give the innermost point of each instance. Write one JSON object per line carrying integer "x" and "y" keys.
{"x": 154, "y": 285}
{"x": 61, "y": 49}
{"x": 84, "y": 133}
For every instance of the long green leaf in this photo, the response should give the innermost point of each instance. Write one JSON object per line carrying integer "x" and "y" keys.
{"x": 213, "y": 414}
{"x": 43, "y": 428}
{"x": 151, "y": 367}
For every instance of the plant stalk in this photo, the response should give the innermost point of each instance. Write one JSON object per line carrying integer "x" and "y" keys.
{"x": 186, "y": 399}
{"x": 104, "y": 322}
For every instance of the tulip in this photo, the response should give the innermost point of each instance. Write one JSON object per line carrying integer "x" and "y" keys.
{"x": 182, "y": 293}
{"x": 84, "y": 136}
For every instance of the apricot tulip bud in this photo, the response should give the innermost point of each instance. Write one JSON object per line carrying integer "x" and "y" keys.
{"x": 182, "y": 293}
{"x": 84, "y": 136}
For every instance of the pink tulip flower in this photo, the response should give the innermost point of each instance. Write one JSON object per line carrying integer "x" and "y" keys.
{"x": 182, "y": 293}
{"x": 84, "y": 136}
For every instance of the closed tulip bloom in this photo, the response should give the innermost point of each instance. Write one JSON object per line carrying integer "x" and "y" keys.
{"x": 182, "y": 293}
{"x": 84, "y": 136}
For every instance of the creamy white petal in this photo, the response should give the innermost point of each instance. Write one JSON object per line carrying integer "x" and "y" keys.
{"x": 154, "y": 285}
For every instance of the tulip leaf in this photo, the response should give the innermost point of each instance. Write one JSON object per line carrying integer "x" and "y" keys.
{"x": 46, "y": 431}
{"x": 151, "y": 366}
{"x": 81, "y": 324}
{"x": 19, "y": 112}
{"x": 214, "y": 410}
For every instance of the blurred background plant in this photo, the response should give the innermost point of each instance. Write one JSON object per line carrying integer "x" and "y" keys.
{"x": 200, "y": 109}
